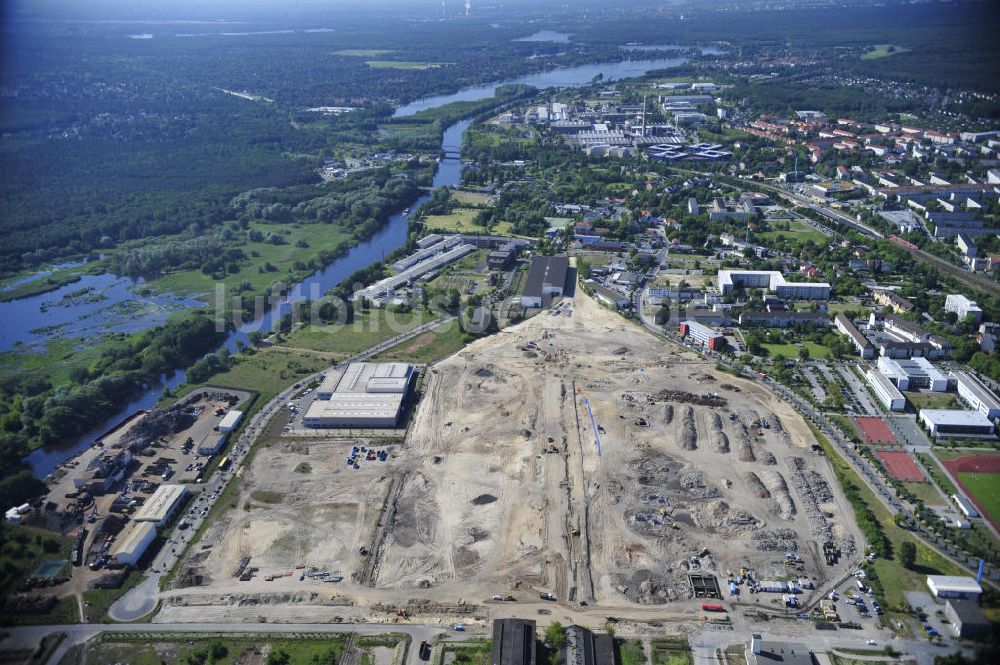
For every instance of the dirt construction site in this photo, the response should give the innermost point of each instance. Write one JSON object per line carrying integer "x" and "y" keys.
{"x": 574, "y": 454}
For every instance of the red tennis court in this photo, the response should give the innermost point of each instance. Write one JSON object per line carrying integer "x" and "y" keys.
{"x": 874, "y": 431}
{"x": 900, "y": 465}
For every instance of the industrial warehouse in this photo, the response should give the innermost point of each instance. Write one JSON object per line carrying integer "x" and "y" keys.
{"x": 362, "y": 395}
{"x": 162, "y": 505}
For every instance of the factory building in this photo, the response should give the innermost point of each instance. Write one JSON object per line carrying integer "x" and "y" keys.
{"x": 133, "y": 543}
{"x": 946, "y": 423}
{"x": 211, "y": 444}
{"x": 772, "y": 280}
{"x": 967, "y": 620}
{"x": 513, "y": 642}
{"x": 954, "y": 586}
{"x": 707, "y": 337}
{"x": 430, "y": 259}
{"x": 913, "y": 374}
{"x": 769, "y": 652}
{"x": 885, "y": 391}
{"x": 546, "y": 278}
{"x": 963, "y": 307}
{"x": 860, "y": 342}
{"x": 161, "y": 506}
{"x": 976, "y": 394}
{"x": 584, "y": 647}
{"x": 361, "y": 395}
{"x": 607, "y": 296}
{"x": 230, "y": 421}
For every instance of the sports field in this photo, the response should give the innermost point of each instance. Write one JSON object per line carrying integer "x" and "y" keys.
{"x": 900, "y": 465}
{"x": 874, "y": 431}
{"x": 979, "y": 478}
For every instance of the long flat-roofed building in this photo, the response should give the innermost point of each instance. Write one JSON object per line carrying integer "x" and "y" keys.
{"x": 546, "y": 277}
{"x": 361, "y": 395}
{"x": 885, "y": 391}
{"x": 707, "y": 337}
{"x": 161, "y": 505}
{"x": 772, "y": 280}
{"x": 860, "y": 342}
{"x": 513, "y": 642}
{"x": 954, "y": 586}
{"x": 132, "y": 543}
{"x": 976, "y": 394}
{"x": 956, "y": 423}
{"x": 913, "y": 374}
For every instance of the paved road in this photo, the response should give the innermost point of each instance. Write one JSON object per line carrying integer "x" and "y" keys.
{"x": 28, "y": 637}
{"x": 143, "y": 599}
{"x": 704, "y": 643}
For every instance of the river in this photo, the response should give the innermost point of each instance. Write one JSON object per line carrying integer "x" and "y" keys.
{"x": 565, "y": 77}
{"x": 389, "y": 238}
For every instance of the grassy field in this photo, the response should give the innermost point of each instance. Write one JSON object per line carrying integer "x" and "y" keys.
{"x": 267, "y": 371}
{"x": 798, "y": 231}
{"x": 791, "y": 351}
{"x": 670, "y": 652}
{"x": 985, "y": 487}
{"x": 468, "y": 653}
{"x": 402, "y": 64}
{"x": 317, "y": 237}
{"x": 471, "y": 198}
{"x": 129, "y": 649}
{"x": 429, "y": 346}
{"x": 630, "y": 652}
{"x": 837, "y": 307}
{"x": 931, "y": 400}
{"x": 368, "y": 329}
{"x": 459, "y": 221}
{"x": 882, "y": 51}
{"x": 926, "y": 493}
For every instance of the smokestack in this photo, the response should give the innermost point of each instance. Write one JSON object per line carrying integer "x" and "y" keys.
{"x": 979, "y": 575}
{"x": 644, "y": 115}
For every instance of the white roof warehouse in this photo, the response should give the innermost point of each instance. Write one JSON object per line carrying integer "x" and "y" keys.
{"x": 361, "y": 395}
{"x": 159, "y": 507}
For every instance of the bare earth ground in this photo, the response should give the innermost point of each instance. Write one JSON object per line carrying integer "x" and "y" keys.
{"x": 500, "y": 489}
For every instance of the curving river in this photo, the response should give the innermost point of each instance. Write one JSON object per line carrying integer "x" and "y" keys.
{"x": 389, "y": 238}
